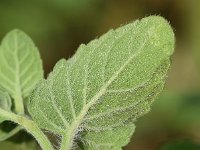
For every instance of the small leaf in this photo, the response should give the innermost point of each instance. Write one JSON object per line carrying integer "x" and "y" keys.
{"x": 93, "y": 99}
{"x": 5, "y": 100}
{"x": 6, "y": 103}
{"x": 20, "y": 65}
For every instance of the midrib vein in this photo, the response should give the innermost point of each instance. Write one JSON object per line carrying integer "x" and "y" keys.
{"x": 123, "y": 108}
{"x": 19, "y": 107}
{"x": 17, "y": 68}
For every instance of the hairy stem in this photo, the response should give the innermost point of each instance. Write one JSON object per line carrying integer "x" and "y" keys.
{"x": 68, "y": 138}
{"x": 30, "y": 126}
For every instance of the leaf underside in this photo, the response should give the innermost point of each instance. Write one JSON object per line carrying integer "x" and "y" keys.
{"x": 95, "y": 97}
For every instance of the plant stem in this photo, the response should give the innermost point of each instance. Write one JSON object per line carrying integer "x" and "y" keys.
{"x": 30, "y": 126}
{"x": 66, "y": 143}
{"x": 67, "y": 139}
{"x": 19, "y": 105}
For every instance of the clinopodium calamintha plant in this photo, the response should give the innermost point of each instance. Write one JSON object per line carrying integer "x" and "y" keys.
{"x": 92, "y": 100}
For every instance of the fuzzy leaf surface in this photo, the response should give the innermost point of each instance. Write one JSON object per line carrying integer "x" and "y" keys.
{"x": 20, "y": 64}
{"x": 93, "y": 99}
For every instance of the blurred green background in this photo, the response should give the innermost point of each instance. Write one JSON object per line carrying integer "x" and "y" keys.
{"x": 58, "y": 27}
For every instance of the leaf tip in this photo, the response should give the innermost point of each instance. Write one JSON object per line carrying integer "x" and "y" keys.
{"x": 164, "y": 32}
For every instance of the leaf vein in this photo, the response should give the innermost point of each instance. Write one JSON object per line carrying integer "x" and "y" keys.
{"x": 29, "y": 78}
{"x": 69, "y": 92}
{"x": 28, "y": 66}
{"x": 90, "y": 142}
{"x": 56, "y": 127}
{"x": 6, "y": 63}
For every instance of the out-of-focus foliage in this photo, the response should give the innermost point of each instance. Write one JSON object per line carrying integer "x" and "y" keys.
{"x": 58, "y": 27}
{"x": 180, "y": 145}
{"x": 180, "y": 109}
{"x": 6, "y": 145}
{"x": 41, "y": 17}
{"x": 174, "y": 115}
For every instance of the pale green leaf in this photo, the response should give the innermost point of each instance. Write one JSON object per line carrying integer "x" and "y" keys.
{"x": 20, "y": 65}
{"x": 5, "y": 100}
{"x": 93, "y": 99}
{"x": 6, "y": 103}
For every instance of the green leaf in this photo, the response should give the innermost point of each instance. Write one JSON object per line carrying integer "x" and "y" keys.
{"x": 20, "y": 66}
{"x": 93, "y": 99}
{"x": 5, "y": 102}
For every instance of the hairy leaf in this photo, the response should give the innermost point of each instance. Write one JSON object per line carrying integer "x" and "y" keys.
{"x": 20, "y": 65}
{"x": 93, "y": 99}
